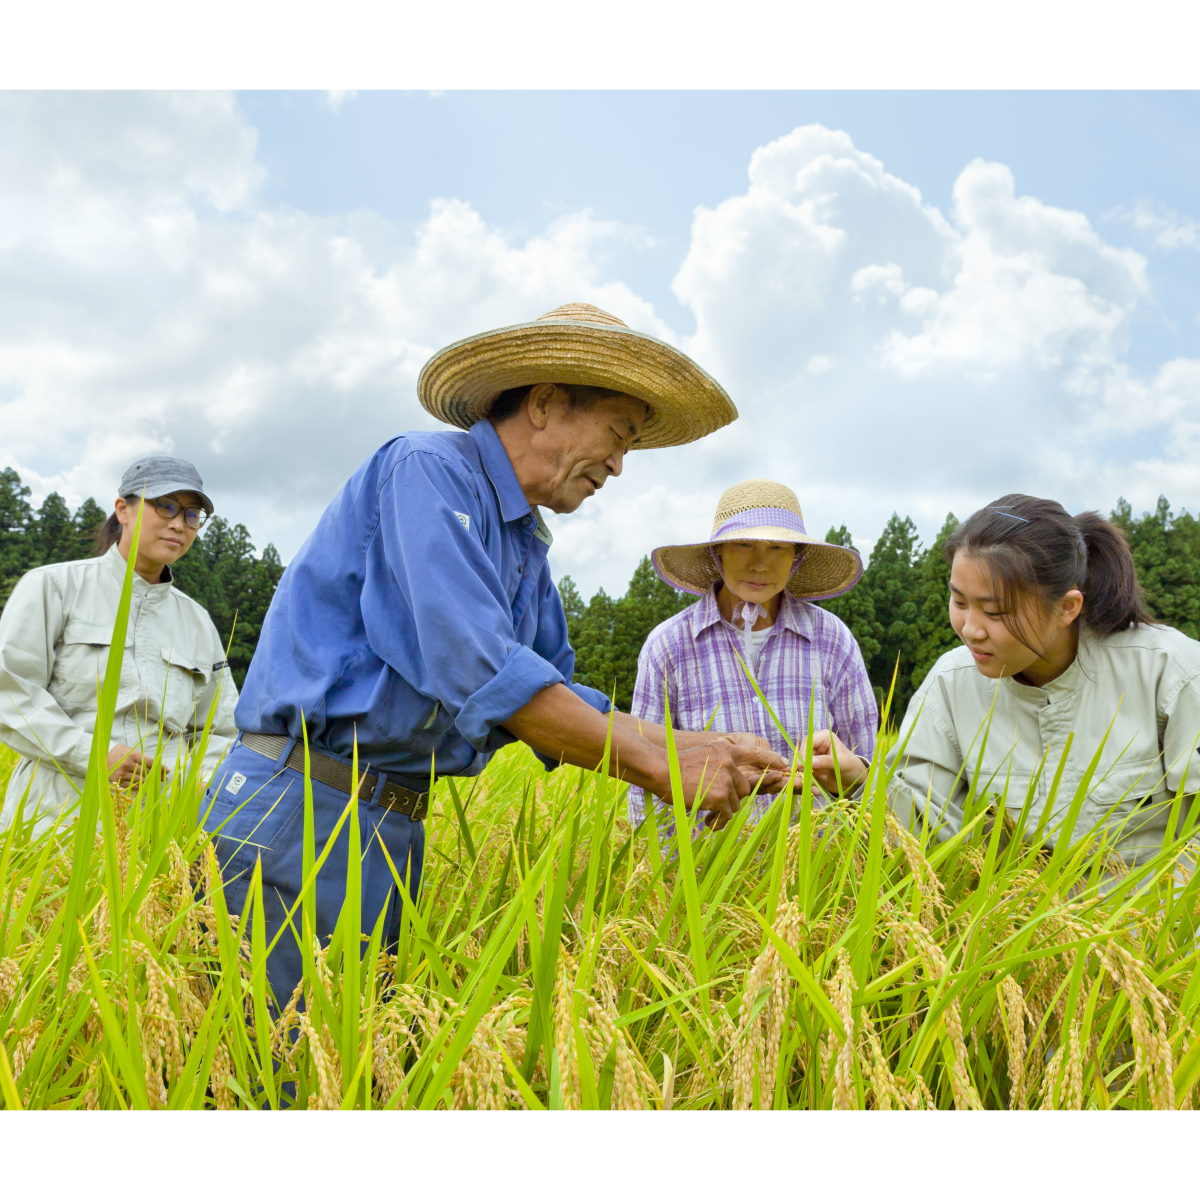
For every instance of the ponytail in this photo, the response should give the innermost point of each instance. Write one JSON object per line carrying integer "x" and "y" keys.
{"x": 1034, "y": 548}
{"x": 108, "y": 532}
{"x": 1112, "y": 598}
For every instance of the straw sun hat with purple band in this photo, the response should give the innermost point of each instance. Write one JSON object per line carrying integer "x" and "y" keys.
{"x": 580, "y": 344}
{"x": 760, "y": 510}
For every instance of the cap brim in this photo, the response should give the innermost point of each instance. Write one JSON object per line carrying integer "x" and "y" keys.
{"x": 169, "y": 487}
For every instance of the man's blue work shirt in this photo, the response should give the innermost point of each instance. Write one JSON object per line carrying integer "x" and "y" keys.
{"x": 419, "y": 615}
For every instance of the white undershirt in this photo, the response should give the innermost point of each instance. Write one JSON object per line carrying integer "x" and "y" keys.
{"x": 758, "y": 639}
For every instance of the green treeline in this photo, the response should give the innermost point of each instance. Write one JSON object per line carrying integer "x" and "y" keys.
{"x": 221, "y": 571}
{"x": 898, "y": 610}
{"x": 606, "y": 634}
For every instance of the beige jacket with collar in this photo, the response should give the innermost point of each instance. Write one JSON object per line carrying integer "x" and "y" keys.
{"x": 55, "y": 634}
{"x": 1134, "y": 693}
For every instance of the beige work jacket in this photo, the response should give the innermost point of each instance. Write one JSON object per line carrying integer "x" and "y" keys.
{"x": 1134, "y": 693}
{"x": 55, "y": 635}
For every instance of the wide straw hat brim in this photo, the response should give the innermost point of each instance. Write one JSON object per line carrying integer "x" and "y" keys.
{"x": 460, "y": 382}
{"x": 825, "y": 572}
{"x": 761, "y": 510}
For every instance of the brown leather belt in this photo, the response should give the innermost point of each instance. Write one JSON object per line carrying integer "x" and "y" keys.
{"x": 338, "y": 774}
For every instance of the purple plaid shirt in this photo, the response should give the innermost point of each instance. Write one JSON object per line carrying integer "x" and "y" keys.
{"x": 809, "y": 652}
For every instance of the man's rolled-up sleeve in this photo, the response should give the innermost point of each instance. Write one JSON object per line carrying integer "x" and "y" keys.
{"x": 435, "y": 607}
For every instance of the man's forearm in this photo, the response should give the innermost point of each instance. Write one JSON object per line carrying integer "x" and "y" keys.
{"x": 715, "y": 769}
{"x": 559, "y": 725}
{"x": 655, "y": 733}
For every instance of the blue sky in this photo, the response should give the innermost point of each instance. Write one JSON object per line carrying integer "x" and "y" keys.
{"x": 648, "y": 158}
{"x": 919, "y": 300}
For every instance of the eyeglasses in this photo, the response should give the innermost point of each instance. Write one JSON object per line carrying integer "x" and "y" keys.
{"x": 194, "y": 518}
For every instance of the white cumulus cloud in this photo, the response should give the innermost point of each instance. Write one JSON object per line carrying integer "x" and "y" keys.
{"x": 968, "y": 353}
{"x": 885, "y": 356}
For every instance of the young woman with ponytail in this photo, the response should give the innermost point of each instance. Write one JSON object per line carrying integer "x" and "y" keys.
{"x": 1062, "y": 673}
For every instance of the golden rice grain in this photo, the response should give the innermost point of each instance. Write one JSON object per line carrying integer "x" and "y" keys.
{"x": 10, "y": 980}
{"x": 565, "y": 1052}
{"x": 1011, "y": 1004}
{"x": 840, "y": 990}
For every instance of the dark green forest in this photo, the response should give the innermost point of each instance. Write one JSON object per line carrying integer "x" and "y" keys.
{"x": 222, "y": 570}
{"x": 897, "y": 612}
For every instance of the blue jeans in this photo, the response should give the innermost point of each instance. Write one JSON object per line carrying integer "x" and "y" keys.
{"x": 255, "y": 807}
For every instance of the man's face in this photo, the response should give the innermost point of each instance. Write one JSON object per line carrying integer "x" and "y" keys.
{"x": 580, "y": 448}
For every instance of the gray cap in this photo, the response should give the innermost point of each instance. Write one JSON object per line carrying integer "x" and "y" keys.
{"x": 160, "y": 475}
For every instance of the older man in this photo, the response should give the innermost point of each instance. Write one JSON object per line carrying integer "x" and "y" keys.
{"x": 419, "y": 627}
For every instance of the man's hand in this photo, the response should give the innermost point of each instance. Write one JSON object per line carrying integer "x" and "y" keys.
{"x": 128, "y": 767}
{"x": 717, "y": 769}
{"x": 750, "y": 741}
{"x": 835, "y": 767}
{"x": 718, "y": 772}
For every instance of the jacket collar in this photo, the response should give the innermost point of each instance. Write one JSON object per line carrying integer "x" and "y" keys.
{"x": 499, "y": 470}
{"x": 115, "y": 563}
{"x": 1074, "y": 677}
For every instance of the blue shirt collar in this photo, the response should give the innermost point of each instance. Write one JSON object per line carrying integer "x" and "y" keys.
{"x": 499, "y": 470}
{"x": 793, "y": 614}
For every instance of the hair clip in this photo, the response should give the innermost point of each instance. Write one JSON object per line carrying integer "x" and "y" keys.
{"x": 1023, "y": 520}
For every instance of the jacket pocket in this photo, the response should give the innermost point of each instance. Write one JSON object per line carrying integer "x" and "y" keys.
{"x": 80, "y": 661}
{"x": 187, "y": 680}
{"x": 1122, "y": 797}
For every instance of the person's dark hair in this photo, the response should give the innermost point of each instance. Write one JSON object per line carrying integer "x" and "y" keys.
{"x": 580, "y": 395}
{"x": 1034, "y": 549}
{"x": 108, "y": 532}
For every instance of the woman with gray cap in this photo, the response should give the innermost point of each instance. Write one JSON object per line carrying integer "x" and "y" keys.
{"x": 754, "y": 635}
{"x": 55, "y": 634}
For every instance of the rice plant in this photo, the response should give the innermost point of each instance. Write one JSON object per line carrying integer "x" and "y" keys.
{"x": 824, "y": 957}
{"x": 557, "y": 959}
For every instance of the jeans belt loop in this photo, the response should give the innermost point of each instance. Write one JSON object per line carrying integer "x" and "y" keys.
{"x": 287, "y": 749}
{"x": 380, "y": 784}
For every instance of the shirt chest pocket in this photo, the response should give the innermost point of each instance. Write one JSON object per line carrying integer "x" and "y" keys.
{"x": 80, "y": 662}
{"x": 1120, "y": 788}
{"x": 186, "y": 689}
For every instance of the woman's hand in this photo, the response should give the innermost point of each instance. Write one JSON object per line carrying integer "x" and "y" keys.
{"x": 835, "y": 767}
{"x": 128, "y": 767}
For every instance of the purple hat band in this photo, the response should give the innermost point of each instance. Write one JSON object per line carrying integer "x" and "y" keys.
{"x": 752, "y": 518}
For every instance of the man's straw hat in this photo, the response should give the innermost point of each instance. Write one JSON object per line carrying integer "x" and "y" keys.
{"x": 760, "y": 510}
{"x": 582, "y": 344}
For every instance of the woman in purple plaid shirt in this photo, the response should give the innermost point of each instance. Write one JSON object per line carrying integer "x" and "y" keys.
{"x": 755, "y": 576}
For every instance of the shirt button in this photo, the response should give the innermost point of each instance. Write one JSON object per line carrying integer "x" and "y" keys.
{"x": 521, "y": 569}
{"x": 527, "y": 522}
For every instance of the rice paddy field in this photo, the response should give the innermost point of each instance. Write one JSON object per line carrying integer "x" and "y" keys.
{"x": 823, "y": 959}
